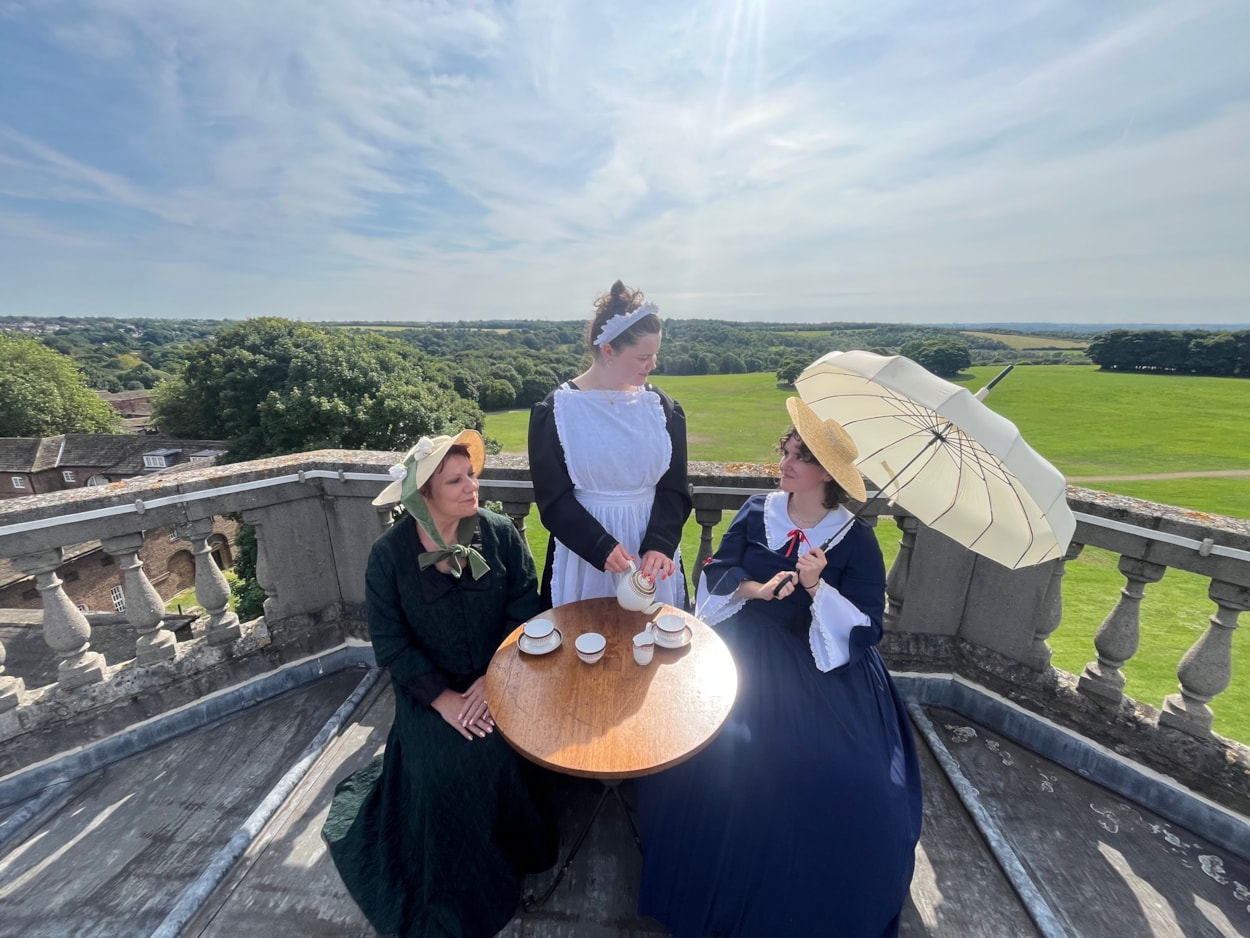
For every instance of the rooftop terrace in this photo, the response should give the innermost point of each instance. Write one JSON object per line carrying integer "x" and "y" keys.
{"x": 166, "y": 787}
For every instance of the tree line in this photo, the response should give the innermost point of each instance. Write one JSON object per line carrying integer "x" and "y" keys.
{"x": 1185, "y": 352}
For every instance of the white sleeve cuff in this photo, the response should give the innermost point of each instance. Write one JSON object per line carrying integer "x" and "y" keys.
{"x": 711, "y": 609}
{"x": 833, "y": 618}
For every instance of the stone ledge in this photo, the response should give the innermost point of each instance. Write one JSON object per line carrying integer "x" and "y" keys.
{"x": 52, "y": 721}
{"x": 1215, "y": 767}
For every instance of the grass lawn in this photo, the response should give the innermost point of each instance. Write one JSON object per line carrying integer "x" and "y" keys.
{"x": 187, "y": 598}
{"x": 1084, "y": 421}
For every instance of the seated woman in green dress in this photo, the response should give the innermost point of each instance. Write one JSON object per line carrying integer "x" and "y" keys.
{"x": 433, "y": 837}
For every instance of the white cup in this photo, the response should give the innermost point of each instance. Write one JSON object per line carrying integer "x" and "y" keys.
{"x": 590, "y": 646}
{"x": 540, "y": 632}
{"x": 644, "y": 647}
{"x": 669, "y": 629}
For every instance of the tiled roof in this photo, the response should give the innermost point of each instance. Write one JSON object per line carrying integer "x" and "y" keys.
{"x": 17, "y": 453}
{"x": 124, "y": 395}
{"x": 117, "y": 454}
{"x": 8, "y": 575}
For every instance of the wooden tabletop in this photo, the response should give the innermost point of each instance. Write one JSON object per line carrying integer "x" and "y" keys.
{"x": 616, "y": 718}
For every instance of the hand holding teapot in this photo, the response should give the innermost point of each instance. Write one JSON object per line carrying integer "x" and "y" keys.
{"x": 636, "y": 592}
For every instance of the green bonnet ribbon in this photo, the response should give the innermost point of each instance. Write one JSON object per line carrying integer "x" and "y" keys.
{"x": 457, "y": 553}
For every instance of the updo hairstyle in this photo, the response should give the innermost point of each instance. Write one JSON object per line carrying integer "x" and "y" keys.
{"x": 620, "y": 299}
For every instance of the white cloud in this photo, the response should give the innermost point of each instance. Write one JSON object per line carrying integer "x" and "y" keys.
{"x": 753, "y": 159}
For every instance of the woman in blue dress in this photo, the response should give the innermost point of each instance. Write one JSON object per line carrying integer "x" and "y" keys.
{"x": 802, "y": 816}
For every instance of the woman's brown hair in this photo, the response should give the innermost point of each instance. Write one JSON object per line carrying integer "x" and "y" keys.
{"x": 620, "y": 299}
{"x": 456, "y": 449}
{"x": 835, "y": 495}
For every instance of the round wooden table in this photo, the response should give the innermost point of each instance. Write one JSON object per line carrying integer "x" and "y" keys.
{"x": 614, "y": 719}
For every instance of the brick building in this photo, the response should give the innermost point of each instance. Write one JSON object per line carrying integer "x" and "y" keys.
{"x": 34, "y": 465}
{"x": 92, "y": 578}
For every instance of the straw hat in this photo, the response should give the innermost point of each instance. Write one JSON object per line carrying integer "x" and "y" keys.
{"x": 420, "y": 462}
{"x": 831, "y": 445}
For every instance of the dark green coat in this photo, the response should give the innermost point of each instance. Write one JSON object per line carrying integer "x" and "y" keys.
{"x": 433, "y": 836}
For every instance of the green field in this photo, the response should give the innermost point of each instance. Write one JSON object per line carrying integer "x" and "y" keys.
{"x": 1084, "y": 421}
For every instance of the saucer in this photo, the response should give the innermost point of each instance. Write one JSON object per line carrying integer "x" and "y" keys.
{"x": 539, "y": 648}
{"x": 683, "y": 638}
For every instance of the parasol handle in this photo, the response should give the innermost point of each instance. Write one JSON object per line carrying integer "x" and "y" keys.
{"x": 849, "y": 521}
{"x": 981, "y": 394}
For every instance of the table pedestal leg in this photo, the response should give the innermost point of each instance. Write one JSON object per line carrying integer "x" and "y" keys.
{"x": 611, "y": 786}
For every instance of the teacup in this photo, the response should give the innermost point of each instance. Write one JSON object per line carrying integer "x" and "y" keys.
{"x": 540, "y": 633}
{"x": 644, "y": 647}
{"x": 669, "y": 629}
{"x": 590, "y": 646}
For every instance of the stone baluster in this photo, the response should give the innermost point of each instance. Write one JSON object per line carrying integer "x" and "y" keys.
{"x": 1117, "y": 638}
{"x": 518, "y": 512}
{"x": 1051, "y": 612}
{"x": 65, "y": 628}
{"x": 211, "y": 588}
{"x": 707, "y": 519}
{"x": 144, "y": 607}
{"x": 263, "y": 578}
{"x": 896, "y": 579}
{"x": 386, "y": 518}
{"x": 1207, "y": 667}
{"x": 11, "y": 688}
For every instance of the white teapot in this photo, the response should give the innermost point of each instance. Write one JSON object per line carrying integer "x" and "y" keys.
{"x": 635, "y": 592}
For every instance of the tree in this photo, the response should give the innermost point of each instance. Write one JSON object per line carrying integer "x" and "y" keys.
{"x": 43, "y": 393}
{"x": 273, "y": 386}
{"x": 789, "y": 370}
{"x": 944, "y": 357}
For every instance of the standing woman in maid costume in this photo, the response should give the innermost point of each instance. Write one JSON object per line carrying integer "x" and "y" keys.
{"x": 608, "y": 460}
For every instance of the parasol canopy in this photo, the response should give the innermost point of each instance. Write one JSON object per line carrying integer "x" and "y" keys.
{"x": 937, "y": 451}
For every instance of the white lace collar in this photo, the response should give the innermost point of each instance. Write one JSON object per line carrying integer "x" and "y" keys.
{"x": 778, "y": 524}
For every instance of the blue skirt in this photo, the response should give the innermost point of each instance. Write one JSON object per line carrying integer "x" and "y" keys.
{"x": 802, "y": 816}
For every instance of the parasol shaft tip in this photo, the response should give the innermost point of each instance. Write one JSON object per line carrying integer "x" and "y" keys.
{"x": 981, "y": 394}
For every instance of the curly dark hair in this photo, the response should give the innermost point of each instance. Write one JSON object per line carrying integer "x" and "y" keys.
{"x": 620, "y": 299}
{"x": 835, "y": 495}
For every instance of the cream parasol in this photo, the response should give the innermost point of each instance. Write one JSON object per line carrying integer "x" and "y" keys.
{"x": 942, "y": 455}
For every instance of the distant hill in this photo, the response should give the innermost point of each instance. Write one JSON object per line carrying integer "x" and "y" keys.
{"x": 1092, "y": 327}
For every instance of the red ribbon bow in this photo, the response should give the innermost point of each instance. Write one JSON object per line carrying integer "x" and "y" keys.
{"x": 797, "y": 537}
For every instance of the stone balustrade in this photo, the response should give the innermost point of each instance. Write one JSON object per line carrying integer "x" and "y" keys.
{"x": 948, "y": 610}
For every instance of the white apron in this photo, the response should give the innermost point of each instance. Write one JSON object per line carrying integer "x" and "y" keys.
{"x": 616, "y": 448}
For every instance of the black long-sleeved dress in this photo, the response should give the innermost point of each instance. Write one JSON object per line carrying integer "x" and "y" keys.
{"x": 608, "y": 467}
{"x": 433, "y": 836}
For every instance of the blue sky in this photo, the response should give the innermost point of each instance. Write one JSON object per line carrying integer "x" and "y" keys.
{"x": 919, "y": 161}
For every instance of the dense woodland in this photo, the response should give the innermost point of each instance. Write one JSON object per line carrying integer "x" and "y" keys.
{"x": 1186, "y": 352}
{"x": 227, "y": 380}
{"x": 507, "y": 364}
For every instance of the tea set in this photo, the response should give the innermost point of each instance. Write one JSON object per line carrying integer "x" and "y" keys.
{"x": 634, "y": 592}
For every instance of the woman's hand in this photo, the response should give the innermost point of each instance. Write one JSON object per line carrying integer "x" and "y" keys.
{"x": 656, "y": 566}
{"x": 466, "y": 713}
{"x": 618, "y": 560}
{"x": 810, "y": 567}
{"x": 779, "y": 586}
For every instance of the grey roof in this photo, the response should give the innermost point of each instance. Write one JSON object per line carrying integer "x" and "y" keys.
{"x": 18, "y": 453}
{"x": 117, "y": 454}
{"x": 9, "y": 576}
{"x": 1010, "y": 839}
{"x": 124, "y": 395}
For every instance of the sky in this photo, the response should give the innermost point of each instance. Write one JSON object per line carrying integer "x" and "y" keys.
{"x": 835, "y": 160}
